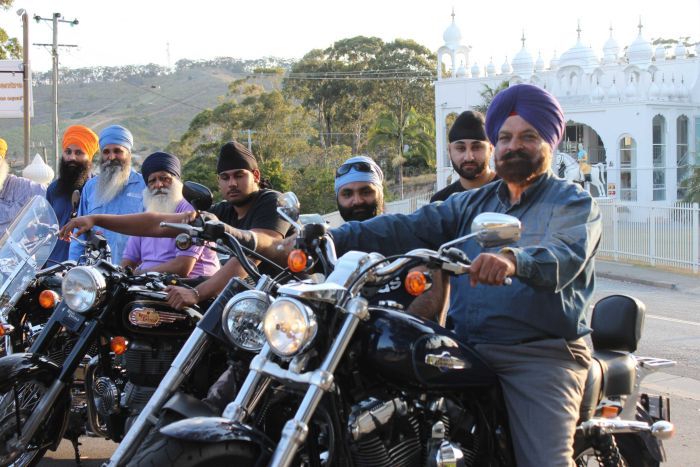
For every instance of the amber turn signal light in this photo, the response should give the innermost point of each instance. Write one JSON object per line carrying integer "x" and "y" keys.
{"x": 417, "y": 282}
{"x": 297, "y": 260}
{"x": 118, "y": 345}
{"x": 48, "y": 299}
{"x": 609, "y": 411}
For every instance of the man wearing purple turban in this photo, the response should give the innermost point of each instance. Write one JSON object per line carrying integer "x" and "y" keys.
{"x": 530, "y": 332}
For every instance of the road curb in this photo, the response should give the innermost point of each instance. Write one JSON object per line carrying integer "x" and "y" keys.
{"x": 637, "y": 280}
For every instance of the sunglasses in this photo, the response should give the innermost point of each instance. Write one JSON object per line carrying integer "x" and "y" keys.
{"x": 359, "y": 166}
{"x": 69, "y": 152}
{"x": 115, "y": 151}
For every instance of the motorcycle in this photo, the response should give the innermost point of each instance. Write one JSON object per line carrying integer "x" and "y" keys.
{"x": 28, "y": 294}
{"x": 375, "y": 386}
{"x": 116, "y": 338}
{"x": 232, "y": 323}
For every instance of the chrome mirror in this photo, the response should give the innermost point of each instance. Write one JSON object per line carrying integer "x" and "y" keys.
{"x": 493, "y": 229}
{"x": 289, "y": 203}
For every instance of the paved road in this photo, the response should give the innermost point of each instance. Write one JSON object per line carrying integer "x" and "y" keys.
{"x": 672, "y": 330}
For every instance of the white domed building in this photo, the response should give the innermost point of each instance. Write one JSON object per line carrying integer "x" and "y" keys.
{"x": 636, "y": 114}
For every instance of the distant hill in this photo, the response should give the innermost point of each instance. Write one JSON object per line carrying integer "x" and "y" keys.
{"x": 155, "y": 103}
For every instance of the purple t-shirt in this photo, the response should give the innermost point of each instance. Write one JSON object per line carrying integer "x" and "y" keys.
{"x": 148, "y": 252}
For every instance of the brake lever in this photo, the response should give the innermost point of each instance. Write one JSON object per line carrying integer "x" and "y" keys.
{"x": 186, "y": 228}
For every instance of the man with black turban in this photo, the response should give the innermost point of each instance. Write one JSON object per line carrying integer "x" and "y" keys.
{"x": 530, "y": 332}
{"x": 470, "y": 153}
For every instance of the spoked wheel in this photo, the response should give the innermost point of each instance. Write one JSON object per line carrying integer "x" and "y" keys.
{"x": 16, "y": 405}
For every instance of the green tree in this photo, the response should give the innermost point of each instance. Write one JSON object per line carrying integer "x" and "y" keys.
{"x": 488, "y": 93}
{"x": 692, "y": 185}
{"x": 9, "y": 46}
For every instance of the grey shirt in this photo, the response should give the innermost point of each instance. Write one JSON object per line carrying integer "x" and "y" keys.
{"x": 14, "y": 195}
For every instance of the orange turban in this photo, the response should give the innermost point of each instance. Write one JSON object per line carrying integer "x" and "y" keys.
{"x": 83, "y": 137}
{"x": 3, "y": 147}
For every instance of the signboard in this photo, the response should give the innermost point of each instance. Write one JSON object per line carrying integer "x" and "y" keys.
{"x": 611, "y": 190}
{"x": 11, "y": 90}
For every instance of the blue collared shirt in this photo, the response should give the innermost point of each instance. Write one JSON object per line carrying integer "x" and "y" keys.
{"x": 554, "y": 280}
{"x": 128, "y": 201}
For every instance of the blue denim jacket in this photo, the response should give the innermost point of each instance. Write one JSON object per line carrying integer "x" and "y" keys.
{"x": 128, "y": 201}
{"x": 554, "y": 279}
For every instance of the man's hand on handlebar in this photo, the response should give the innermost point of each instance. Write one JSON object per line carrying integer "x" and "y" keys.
{"x": 180, "y": 297}
{"x": 492, "y": 268}
{"x": 82, "y": 223}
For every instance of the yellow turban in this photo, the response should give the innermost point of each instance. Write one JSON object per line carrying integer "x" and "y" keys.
{"x": 3, "y": 147}
{"x": 83, "y": 137}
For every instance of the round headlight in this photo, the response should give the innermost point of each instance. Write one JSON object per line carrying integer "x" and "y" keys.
{"x": 242, "y": 319}
{"x": 289, "y": 326}
{"x": 83, "y": 287}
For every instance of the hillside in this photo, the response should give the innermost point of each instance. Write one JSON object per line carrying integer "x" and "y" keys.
{"x": 157, "y": 109}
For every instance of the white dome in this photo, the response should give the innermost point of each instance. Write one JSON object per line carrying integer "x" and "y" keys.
{"x": 38, "y": 171}
{"x": 491, "y": 68}
{"x": 505, "y": 68}
{"x": 660, "y": 53}
{"x": 667, "y": 91}
{"x": 611, "y": 49}
{"x": 539, "y": 64}
{"x": 641, "y": 50}
{"x": 523, "y": 64}
{"x": 476, "y": 71}
{"x": 452, "y": 35}
{"x": 598, "y": 94}
{"x": 461, "y": 71}
{"x": 579, "y": 55}
{"x": 554, "y": 62}
{"x": 613, "y": 95}
{"x": 681, "y": 50}
{"x": 630, "y": 90}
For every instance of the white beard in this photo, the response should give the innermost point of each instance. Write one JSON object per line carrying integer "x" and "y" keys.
{"x": 4, "y": 170}
{"x": 112, "y": 181}
{"x": 166, "y": 199}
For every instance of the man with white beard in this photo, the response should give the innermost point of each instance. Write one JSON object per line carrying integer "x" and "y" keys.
{"x": 14, "y": 191}
{"x": 116, "y": 190}
{"x": 163, "y": 194}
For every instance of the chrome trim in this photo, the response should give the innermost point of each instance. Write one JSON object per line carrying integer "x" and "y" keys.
{"x": 449, "y": 455}
{"x": 92, "y": 415}
{"x": 644, "y": 366}
{"x": 258, "y": 295}
{"x": 660, "y": 430}
{"x": 367, "y": 421}
{"x": 98, "y": 281}
{"x": 358, "y": 307}
{"x": 322, "y": 379}
{"x": 324, "y": 292}
{"x": 445, "y": 361}
{"x": 309, "y": 319}
{"x": 242, "y": 405}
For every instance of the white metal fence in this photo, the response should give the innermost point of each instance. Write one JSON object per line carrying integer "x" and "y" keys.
{"x": 656, "y": 235}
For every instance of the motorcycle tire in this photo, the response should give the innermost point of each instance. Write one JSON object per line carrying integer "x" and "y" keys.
{"x": 176, "y": 452}
{"x": 632, "y": 451}
{"x": 28, "y": 395}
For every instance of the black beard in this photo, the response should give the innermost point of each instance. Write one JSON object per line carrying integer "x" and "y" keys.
{"x": 244, "y": 201}
{"x": 469, "y": 172}
{"x": 360, "y": 212}
{"x": 518, "y": 166}
{"x": 72, "y": 176}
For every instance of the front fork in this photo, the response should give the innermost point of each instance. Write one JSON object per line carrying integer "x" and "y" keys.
{"x": 190, "y": 355}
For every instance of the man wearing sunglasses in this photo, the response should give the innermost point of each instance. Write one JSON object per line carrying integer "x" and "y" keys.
{"x": 470, "y": 153}
{"x": 80, "y": 144}
{"x": 358, "y": 189}
{"x": 116, "y": 190}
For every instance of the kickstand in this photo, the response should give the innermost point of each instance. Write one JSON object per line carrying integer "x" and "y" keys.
{"x": 76, "y": 449}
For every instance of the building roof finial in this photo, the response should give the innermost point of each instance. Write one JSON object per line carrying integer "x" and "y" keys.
{"x": 522, "y": 38}
{"x": 639, "y": 26}
{"x": 453, "y": 14}
{"x": 578, "y": 28}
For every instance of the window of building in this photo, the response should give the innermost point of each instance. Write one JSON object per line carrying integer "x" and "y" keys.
{"x": 659, "y": 157}
{"x": 683, "y": 163}
{"x": 628, "y": 169}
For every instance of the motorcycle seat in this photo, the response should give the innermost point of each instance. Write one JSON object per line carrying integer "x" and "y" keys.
{"x": 618, "y": 369}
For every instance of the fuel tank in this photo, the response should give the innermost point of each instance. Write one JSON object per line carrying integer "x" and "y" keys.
{"x": 408, "y": 350}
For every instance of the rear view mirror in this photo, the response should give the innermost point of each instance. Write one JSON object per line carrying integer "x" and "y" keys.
{"x": 197, "y": 195}
{"x": 493, "y": 229}
{"x": 289, "y": 204}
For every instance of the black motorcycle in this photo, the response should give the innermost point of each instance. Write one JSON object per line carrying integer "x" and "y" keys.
{"x": 374, "y": 386}
{"x": 97, "y": 361}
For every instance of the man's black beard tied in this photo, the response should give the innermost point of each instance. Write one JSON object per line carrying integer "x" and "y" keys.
{"x": 72, "y": 176}
{"x": 518, "y": 166}
{"x": 366, "y": 211}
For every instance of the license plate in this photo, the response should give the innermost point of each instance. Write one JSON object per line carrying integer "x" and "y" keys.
{"x": 70, "y": 319}
{"x": 658, "y": 407}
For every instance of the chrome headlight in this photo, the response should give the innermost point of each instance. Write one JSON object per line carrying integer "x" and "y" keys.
{"x": 242, "y": 319}
{"x": 289, "y": 326}
{"x": 83, "y": 287}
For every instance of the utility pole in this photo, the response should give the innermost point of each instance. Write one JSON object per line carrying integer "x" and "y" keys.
{"x": 54, "y": 58}
{"x": 26, "y": 82}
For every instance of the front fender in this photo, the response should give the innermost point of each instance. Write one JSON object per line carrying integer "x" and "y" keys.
{"x": 217, "y": 429}
{"x": 23, "y": 366}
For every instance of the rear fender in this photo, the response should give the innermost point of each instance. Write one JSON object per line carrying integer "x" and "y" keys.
{"x": 23, "y": 366}
{"x": 217, "y": 429}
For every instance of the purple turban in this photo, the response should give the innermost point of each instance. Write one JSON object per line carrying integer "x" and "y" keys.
{"x": 535, "y": 105}
{"x": 159, "y": 161}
